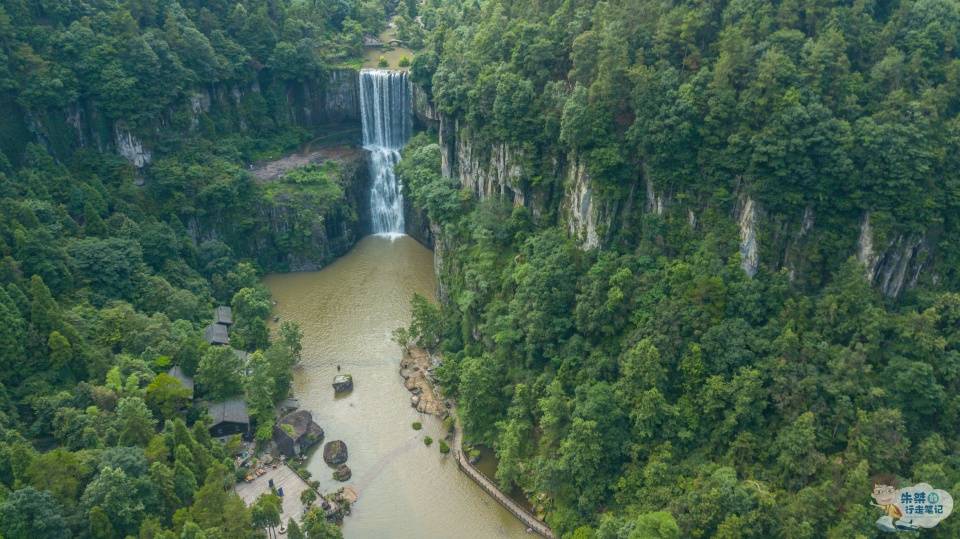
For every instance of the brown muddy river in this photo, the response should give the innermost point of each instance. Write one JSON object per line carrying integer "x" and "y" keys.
{"x": 347, "y": 311}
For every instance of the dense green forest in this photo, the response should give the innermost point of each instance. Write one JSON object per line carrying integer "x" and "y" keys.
{"x": 649, "y": 387}
{"x": 108, "y": 276}
{"x": 642, "y": 387}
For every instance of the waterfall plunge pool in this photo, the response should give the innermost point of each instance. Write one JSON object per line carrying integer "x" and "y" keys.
{"x": 347, "y": 312}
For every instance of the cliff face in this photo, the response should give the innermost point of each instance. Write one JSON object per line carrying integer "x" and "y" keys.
{"x": 749, "y": 246}
{"x": 288, "y": 228}
{"x": 502, "y": 171}
{"x": 580, "y": 207}
{"x": 334, "y": 100}
{"x": 319, "y": 237}
{"x": 497, "y": 171}
{"x": 892, "y": 261}
{"x": 425, "y": 116}
{"x": 217, "y": 109}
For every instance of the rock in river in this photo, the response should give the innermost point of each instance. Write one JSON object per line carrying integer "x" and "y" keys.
{"x": 343, "y": 383}
{"x": 335, "y": 453}
{"x": 342, "y": 473}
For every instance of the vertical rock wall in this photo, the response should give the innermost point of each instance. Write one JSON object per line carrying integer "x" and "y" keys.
{"x": 580, "y": 206}
{"x": 332, "y": 99}
{"x": 897, "y": 263}
{"x": 749, "y": 246}
{"x": 894, "y": 262}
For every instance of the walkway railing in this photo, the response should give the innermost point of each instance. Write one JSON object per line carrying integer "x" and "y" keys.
{"x": 524, "y": 516}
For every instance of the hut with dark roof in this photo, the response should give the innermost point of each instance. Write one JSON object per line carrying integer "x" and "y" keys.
{"x": 223, "y": 315}
{"x": 229, "y": 417}
{"x": 216, "y": 334}
{"x": 295, "y": 433}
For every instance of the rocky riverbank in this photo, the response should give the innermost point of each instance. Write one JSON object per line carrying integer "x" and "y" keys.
{"x": 416, "y": 369}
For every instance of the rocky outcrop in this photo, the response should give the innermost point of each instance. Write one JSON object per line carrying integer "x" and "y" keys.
{"x": 425, "y": 114}
{"x": 335, "y": 453}
{"x": 417, "y": 224}
{"x": 893, "y": 260}
{"x": 293, "y": 233}
{"x": 590, "y": 219}
{"x": 494, "y": 172}
{"x": 199, "y": 105}
{"x": 656, "y": 203}
{"x": 439, "y": 251}
{"x": 131, "y": 147}
{"x": 580, "y": 206}
{"x": 897, "y": 263}
{"x": 416, "y": 369}
{"x": 342, "y": 383}
{"x": 331, "y": 234}
{"x": 503, "y": 170}
{"x": 341, "y": 97}
{"x": 296, "y": 433}
{"x": 342, "y": 473}
{"x": 331, "y": 100}
{"x": 311, "y": 103}
{"x": 336, "y": 506}
{"x": 446, "y": 138}
{"x": 774, "y": 238}
{"x": 749, "y": 246}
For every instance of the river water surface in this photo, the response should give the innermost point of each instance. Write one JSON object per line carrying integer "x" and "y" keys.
{"x": 347, "y": 312}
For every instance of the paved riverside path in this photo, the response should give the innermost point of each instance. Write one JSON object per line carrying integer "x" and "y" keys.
{"x": 529, "y": 520}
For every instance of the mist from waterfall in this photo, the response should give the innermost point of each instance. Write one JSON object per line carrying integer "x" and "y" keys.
{"x": 386, "y": 113}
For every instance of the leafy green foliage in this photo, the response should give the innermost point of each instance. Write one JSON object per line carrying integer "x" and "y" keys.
{"x": 820, "y": 119}
{"x": 220, "y": 372}
{"x": 650, "y": 388}
{"x": 138, "y": 59}
{"x": 31, "y": 513}
{"x": 108, "y": 275}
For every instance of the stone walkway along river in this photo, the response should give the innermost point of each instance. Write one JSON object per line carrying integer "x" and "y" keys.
{"x": 488, "y": 486}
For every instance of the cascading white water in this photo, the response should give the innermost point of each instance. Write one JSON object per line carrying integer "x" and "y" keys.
{"x": 386, "y": 113}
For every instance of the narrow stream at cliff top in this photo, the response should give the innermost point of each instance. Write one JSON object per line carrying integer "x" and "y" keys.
{"x": 347, "y": 312}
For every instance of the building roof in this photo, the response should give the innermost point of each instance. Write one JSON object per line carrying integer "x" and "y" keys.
{"x": 178, "y": 373}
{"x": 302, "y": 423}
{"x": 223, "y": 315}
{"x": 216, "y": 334}
{"x": 229, "y": 411}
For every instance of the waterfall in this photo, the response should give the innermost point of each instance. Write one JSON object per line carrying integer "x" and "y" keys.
{"x": 386, "y": 112}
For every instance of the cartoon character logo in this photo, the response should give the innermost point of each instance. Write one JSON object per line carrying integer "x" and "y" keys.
{"x": 886, "y": 497}
{"x": 910, "y": 508}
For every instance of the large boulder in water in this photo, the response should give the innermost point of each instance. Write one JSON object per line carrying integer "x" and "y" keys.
{"x": 343, "y": 383}
{"x": 342, "y": 473}
{"x": 335, "y": 453}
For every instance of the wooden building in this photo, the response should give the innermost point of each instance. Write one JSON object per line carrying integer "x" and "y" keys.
{"x": 229, "y": 417}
